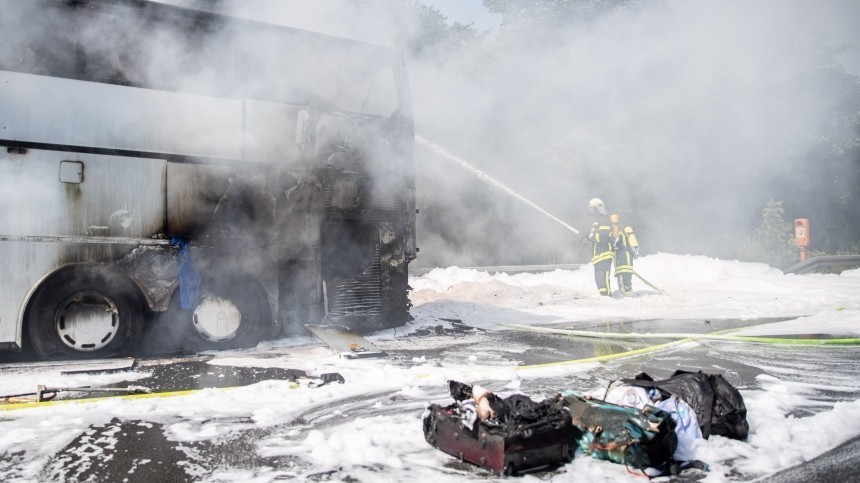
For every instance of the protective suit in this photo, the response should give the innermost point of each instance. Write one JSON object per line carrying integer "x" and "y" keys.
{"x": 626, "y": 249}
{"x": 602, "y": 245}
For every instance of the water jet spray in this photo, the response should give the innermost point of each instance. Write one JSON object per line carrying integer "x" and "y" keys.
{"x": 487, "y": 178}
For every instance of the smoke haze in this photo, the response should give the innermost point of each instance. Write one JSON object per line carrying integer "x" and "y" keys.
{"x": 684, "y": 117}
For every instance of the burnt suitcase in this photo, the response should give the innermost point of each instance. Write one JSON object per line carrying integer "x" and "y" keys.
{"x": 498, "y": 447}
{"x": 637, "y": 438}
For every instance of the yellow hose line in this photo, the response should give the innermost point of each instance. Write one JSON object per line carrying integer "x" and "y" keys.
{"x": 683, "y": 339}
{"x": 607, "y": 357}
{"x": 34, "y": 404}
{"x": 674, "y": 335}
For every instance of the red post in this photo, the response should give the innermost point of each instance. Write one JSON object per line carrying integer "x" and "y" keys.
{"x": 801, "y": 236}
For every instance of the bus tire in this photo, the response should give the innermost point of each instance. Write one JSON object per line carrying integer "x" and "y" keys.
{"x": 230, "y": 313}
{"x": 85, "y": 311}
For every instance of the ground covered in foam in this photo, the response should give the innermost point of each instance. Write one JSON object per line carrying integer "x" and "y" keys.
{"x": 803, "y": 400}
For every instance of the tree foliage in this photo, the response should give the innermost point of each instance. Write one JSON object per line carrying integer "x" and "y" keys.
{"x": 434, "y": 33}
{"x": 772, "y": 242}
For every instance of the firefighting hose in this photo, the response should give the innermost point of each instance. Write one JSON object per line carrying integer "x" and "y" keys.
{"x": 723, "y": 335}
{"x": 630, "y": 238}
{"x": 646, "y": 282}
{"x": 46, "y": 393}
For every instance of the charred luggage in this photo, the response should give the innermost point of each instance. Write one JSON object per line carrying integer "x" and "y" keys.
{"x": 719, "y": 406}
{"x": 505, "y": 435}
{"x": 636, "y": 438}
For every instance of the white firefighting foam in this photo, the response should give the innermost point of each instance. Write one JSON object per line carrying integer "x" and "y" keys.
{"x": 370, "y": 427}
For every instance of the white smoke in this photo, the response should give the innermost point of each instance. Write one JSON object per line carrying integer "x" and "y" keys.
{"x": 683, "y": 116}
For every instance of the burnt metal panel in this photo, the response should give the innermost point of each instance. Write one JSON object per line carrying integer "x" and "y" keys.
{"x": 193, "y": 192}
{"x": 360, "y": 295}
{"x": 155, "y": 269}
{"x": 364, "y": 268}
{"x": 358, "y": 196}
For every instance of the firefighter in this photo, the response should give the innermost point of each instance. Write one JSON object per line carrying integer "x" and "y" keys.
{"x": 626, "y": 249}
{"x": 602, "y": 245}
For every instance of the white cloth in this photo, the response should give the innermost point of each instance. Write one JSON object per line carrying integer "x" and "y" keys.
{"x": 686, "y": 427}
{"x": 468, "y": 414}
{"x": 630, "y": 396}
{"x": 686, "y": 422}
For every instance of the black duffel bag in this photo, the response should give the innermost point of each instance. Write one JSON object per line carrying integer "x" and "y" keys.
{"x": 719, "y": 406}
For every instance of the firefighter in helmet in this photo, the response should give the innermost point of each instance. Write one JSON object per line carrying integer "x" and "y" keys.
{"x": 626, "y": 249}
{"x": 602, "y": 245}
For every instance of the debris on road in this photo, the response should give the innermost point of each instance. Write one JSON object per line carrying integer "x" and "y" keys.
{"x": 505, "y": 435}
{"x": 646, "y": 425}
{"x": 44, "y": 393}
{"x": 642, "y": 439}
{"x": 345, "y": 342}
{"x": 168, "y": 377}
{"x": 718, "y": 406}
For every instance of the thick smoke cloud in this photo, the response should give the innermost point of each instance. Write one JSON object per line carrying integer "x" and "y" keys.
{"x": 684, "y": 116}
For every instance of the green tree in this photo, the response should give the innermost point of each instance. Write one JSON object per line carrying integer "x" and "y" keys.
{"x": 434, "y": 34}
{"x": 772, "y": 242}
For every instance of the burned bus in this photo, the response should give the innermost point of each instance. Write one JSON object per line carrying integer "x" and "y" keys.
{"x": 204, "y": 180}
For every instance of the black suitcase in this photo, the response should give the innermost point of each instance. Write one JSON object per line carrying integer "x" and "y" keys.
{"x": 526, "y": 436}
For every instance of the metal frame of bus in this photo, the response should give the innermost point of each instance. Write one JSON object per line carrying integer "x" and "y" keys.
{"x": 209, "y": 216}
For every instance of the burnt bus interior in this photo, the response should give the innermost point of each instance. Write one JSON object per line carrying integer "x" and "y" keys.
{"x": 306, "y": 217}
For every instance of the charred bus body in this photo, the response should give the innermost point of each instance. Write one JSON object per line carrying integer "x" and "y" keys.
{"x": 207, "y": 179}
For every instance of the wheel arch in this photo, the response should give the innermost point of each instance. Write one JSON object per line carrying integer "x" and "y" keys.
{"x": 246, "y": 292}
{"x": 47, "y": 277}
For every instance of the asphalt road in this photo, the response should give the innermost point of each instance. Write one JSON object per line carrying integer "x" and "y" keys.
{"x": 135, "y": 451}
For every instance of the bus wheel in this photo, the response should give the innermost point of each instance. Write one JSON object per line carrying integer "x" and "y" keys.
{"x": 229, "y": 314}
{"x": 85, "y": 312}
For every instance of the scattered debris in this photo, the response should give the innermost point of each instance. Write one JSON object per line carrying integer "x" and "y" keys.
{"x": 45, "y": 393}
{"x": 505, "y": 435}
{"x": 642, "y": 439}
{"x": 102, "y": 366}
{"x": 345, "y": 342}
{"x": 643, "y": 424}
{"x": 457, "y": 328}
{"x": 171, "y": 376}
{"x": 718, "y": 406}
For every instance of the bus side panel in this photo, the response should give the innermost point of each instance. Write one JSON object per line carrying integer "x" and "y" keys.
{"x": 101, "y": 196}
{"x": 277, "y": 133}
{"x": 54, "y": 110}
{"x": 23, "y": 265}
{"x": 231, "y": 212}
{"x": 193, "y": 192}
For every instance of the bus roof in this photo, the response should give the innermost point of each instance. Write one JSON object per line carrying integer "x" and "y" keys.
{"x": 161, "y": 46}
